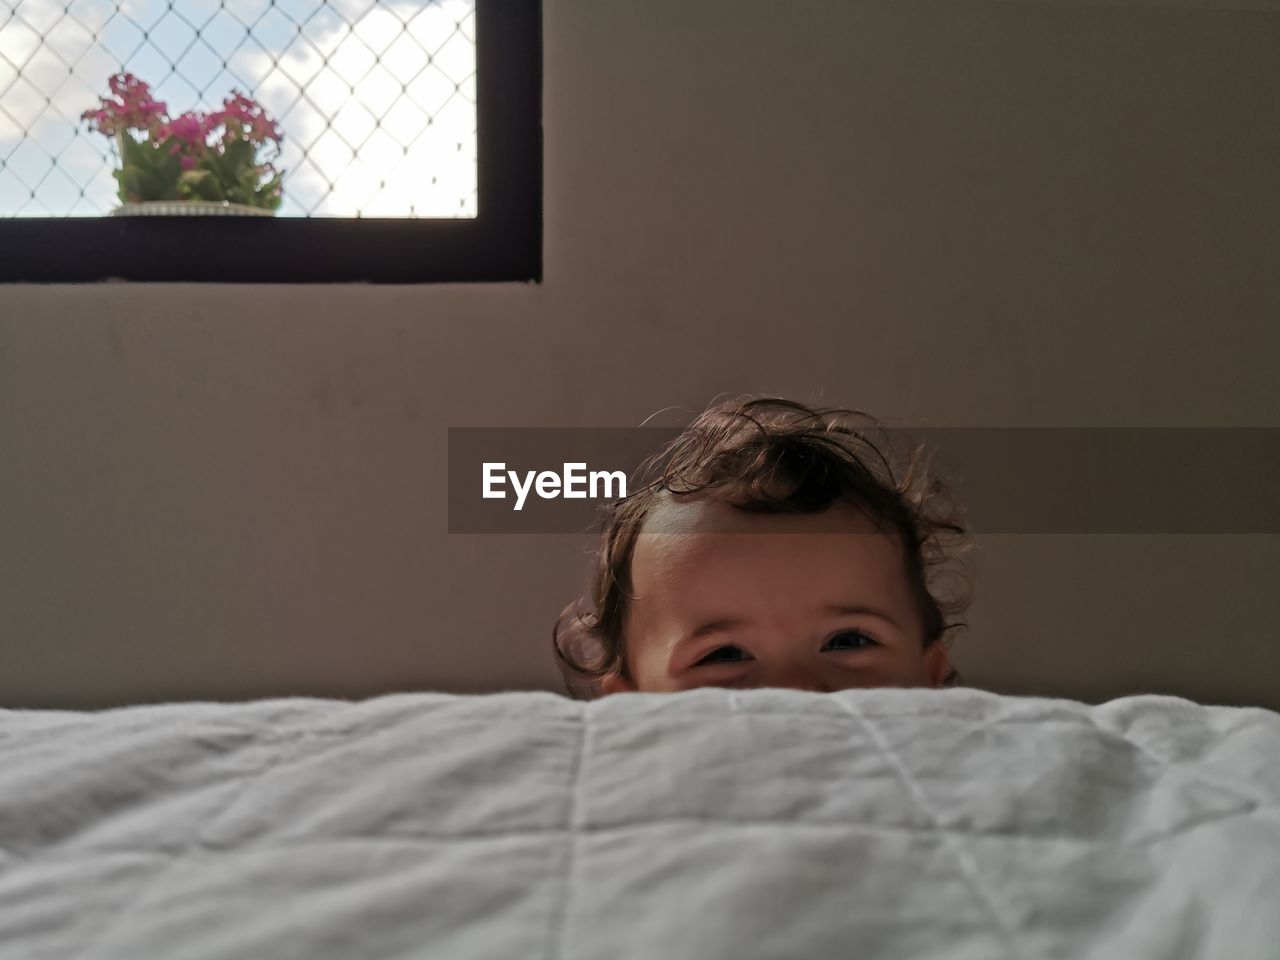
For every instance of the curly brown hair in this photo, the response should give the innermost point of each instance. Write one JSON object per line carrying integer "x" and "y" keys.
{"x": 769, "y": 455}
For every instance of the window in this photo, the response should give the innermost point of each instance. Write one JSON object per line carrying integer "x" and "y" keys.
{"x": 411, "y": 138}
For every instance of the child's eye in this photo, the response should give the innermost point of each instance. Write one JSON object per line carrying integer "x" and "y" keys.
{"x": 713, "y": 656}
{"x": 845, "y": 639}
{"x": 856, "y": 639}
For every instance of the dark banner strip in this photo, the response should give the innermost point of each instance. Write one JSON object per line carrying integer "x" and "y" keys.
{"x": 1070, "y": 480}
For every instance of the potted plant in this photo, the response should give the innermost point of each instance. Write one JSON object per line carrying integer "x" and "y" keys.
{"x": 197, "y": 163}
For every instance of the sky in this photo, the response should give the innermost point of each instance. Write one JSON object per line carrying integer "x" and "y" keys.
{"x": 401, "y": 144}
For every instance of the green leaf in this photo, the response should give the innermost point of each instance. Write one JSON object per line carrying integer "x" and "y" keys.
{"x": 141, "y": 184}
{"x": 238, "y": 154}
{"x": 134, "y": 153}
{"x": 200, "y": 185}
{"x": 227, "y": 172}
{"x": 124, "y": 189}
{"x": 149, "y": 171}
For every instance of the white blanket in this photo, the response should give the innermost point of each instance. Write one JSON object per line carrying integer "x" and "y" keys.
{"x": 703, "y": 825}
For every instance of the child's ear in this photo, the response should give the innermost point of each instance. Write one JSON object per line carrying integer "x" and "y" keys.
{"x": 936, "y": 665}
{"x": 616, "y": 683}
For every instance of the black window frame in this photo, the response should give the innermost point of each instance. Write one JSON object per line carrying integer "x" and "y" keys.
{"x": 502, "y": 243}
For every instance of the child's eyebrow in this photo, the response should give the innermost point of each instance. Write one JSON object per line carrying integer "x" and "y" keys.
{"x": 712, "y": 626}
{"x": 854, "y": 609}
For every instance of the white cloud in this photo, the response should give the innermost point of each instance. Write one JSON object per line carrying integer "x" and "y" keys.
{"x": 414, "y": 133}
{"x": 42, "y": 106}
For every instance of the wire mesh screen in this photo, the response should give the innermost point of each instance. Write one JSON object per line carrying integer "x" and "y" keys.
{"x": 374, "y": 99}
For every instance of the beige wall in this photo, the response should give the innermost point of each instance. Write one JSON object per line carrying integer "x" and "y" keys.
{"x": 967, "y": 213}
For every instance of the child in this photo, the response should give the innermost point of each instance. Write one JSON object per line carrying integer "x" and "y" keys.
{"x": 769, "y": 545}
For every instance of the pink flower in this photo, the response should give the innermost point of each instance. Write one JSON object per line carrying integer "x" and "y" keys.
{"x": 188, "y": 129}
{"x": 242, "y": 117}
{"x": 102, "y": 120}
{"x": 186, "y": 137}
{"x": 135, "y": 109}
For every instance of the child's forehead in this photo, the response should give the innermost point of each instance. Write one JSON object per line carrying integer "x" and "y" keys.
{"x": 702, "y": 516}
{"x": 684, "y": 545}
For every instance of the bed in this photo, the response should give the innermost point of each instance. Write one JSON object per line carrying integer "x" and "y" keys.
{"x": 707, "y": 824}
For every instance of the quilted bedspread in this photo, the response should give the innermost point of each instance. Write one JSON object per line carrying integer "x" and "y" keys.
{"x": 694, "y": 826}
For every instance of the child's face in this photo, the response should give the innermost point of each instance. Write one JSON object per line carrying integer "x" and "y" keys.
{"x": 735, "y": 599}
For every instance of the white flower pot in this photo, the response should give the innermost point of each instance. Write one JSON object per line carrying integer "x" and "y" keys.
{"x": 189, "y": 208}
